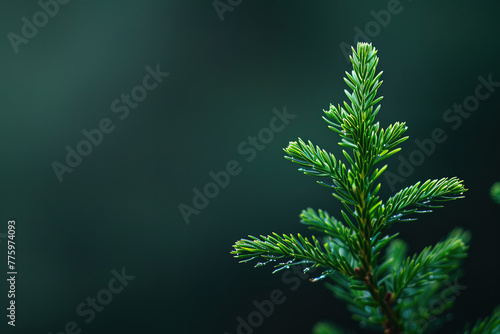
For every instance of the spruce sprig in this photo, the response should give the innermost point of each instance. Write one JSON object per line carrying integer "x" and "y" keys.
{"x": 487, "y": 325}
{"x": 370, "y": 269}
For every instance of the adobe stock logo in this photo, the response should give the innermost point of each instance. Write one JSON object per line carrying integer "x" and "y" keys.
{"x": 121, "y": 106}
{"x": 249, "y": 149}
{"x": 454, "y": 116}
{"x": 261, "y": 310}
{"x": 89, "y": 309}
{"x": 372, "y": 29}
{"x": 40, "y": 19}
{"x": 222, "y": 6}
{"x": 420, "y": 321}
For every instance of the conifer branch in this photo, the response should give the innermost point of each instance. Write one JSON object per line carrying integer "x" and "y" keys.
{"x": 321, "y": 221}
{"x": 495, "y": 192}
{"x": 380, "y": 288}
{"x": 419, "y": 198}
{"x": 489, "y": 325}
{"x": 432, "y": 264}
{"x": 274, "y": 247}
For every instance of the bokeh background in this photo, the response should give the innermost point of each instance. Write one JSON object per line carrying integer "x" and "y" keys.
{"x": 119, "y": 207}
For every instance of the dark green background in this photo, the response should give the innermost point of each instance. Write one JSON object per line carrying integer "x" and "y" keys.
{"x": 119, "y": 207}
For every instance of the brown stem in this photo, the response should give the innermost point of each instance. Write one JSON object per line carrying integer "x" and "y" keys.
{"x": 391, "y": 324}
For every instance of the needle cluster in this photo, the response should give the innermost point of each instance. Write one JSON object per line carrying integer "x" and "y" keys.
{"x": 370, "y": 269}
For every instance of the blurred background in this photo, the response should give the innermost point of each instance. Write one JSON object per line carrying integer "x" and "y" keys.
{"x": 230, "y": 63}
